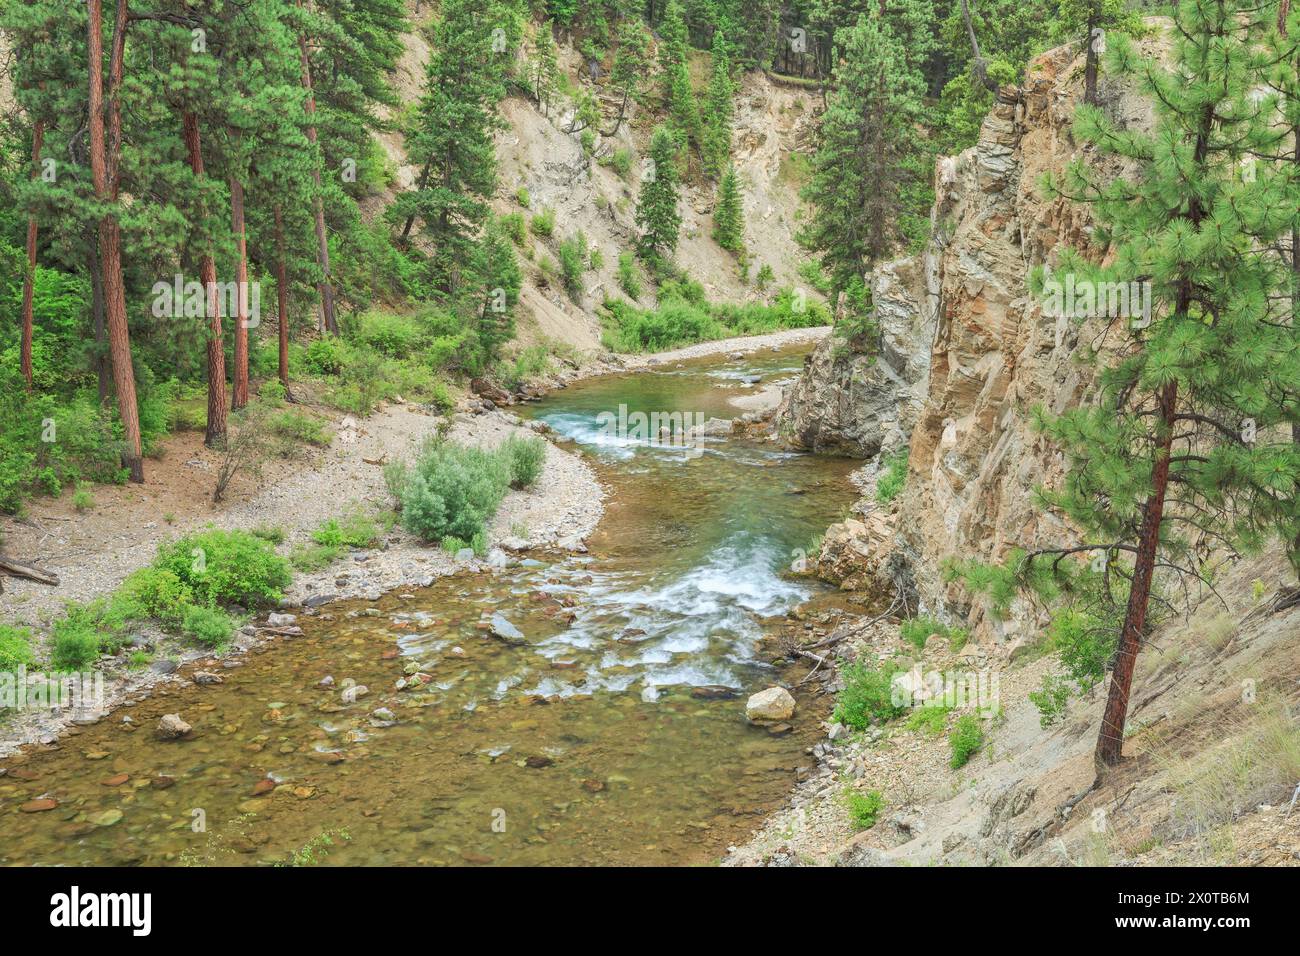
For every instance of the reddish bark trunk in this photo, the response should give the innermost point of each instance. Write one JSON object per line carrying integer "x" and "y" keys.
{"x": 328, "y": 319}
{"x": 239, "y": 390}
{"x": 215, "y": 436}
{"x": 282, "y": 299}
{"x": 104, "y": 173}
{"x": 1110, "y": 742}
{"x": 29, "y": 278}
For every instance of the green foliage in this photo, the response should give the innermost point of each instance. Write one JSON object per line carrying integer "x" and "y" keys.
{"x": 573, "y": 263}
{"x": 15, "y": 648}
{"x": 354, "y": 530}
{"x": 210, "y": 627}
{"x": 525, "y": 458}
{"x": 158, "y": 593}
{"x": 867, "y": 696}
{"x": 75, "y": 639}
{"x": 656, "y": 211}
{"x": 226, "y": 567}
{"x": 628, "y": 279}
{"x": 450, "y": 490}
{"x": 543, "y": 224}
{"x": 864, "y": 808}
{"x": 892, "y": 476}
{"x": 684, "y": 317}
{"x": 931, "y": 719}
{"x": 729, "y": 214}
{"x": 966, "y": 739}
{"x": 82, "y": 499}
{"x": 298, "y": 427}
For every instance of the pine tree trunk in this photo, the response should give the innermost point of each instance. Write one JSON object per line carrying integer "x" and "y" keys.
{"x": 1090, "y": 59}
{"x": 29, "y": 278}
{"x": 282, "y": 299}
{"x": 1110, "y": 742}
{"x": 103, "y": 165}
{"x": 215, "y": 437}
{"x": 102, "y": 371}
{"x": 424, "y": 180}
{"x": 328, "y": 319}
{"x": 239, "y": 388}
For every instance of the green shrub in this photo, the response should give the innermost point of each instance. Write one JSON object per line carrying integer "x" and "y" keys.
{"x": 211, "y": 627}
{"x": 931, "y": 719}
{"x": 967, "y": 737}
{"x": 450, "y": 490}
{"x": 15, "y": 648}
{"x": 75, "y": 643}
{"x": 892, "y": 477}
{"x": 917, "y": 630}
{"x": 525, "y": 458}
{"x": 223, "y": 567}
{"x": 522, "y": 197}
{"x": 543, "y": 224}
{"x": 325, "y": 356}
{"x": 297, "y": 427}
{"x": 864, "y": 808}
{"x": 628, "y": 280}
{"x": 595, "y": 259}
{"x": 867, "y": 696}
{"x": 269, "y": 533}
{"x": 573, "y": 262}
{"x": 82, "y": 499}
{"x": 155, "y": 592}
{"x": 516, "y": 228}
{"x": 621, "y": 161}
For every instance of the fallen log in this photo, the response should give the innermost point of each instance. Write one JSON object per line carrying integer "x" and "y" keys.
{"x": 15, "y": 570}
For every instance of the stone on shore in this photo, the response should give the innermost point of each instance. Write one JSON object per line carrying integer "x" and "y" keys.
{"x": 773, "y": 704}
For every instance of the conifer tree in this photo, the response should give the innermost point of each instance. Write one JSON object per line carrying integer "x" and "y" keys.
{"x": 866, "y": 153}
{"x": 451, "y": 138}
{"x": 729, "y": 214}
{"x": 656, "y": 211}
{"x": 1184, "y": 454}
{"x": 675, "y": 78}
{"x": 545, "y": 68}
{"x": 631, "y": 61}
{"x": 716, "y": 146}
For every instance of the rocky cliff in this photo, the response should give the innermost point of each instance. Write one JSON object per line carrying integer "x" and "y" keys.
{"x": 966, "y": 334}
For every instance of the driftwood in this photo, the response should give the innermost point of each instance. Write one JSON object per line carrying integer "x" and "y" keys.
{"x": 15, "y": 570}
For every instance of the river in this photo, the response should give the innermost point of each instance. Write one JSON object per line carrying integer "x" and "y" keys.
{"x": 614, "y": 734}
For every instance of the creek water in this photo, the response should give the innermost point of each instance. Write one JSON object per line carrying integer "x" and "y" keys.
{"x": 614, "y": 733}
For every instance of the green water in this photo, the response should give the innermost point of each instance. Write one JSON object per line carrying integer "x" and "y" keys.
{"x": 614, "y": 735}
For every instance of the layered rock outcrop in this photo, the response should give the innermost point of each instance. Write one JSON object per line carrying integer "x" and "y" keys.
{"x": 848, "y": 403}
{"x": 975, "y": 458}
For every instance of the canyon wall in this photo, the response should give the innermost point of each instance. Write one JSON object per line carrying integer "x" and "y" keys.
{"x": 981, "y": 353}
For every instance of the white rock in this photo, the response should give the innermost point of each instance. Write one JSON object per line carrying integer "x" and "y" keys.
{"x": 171, "y": 727}
{"x": 775, "y": 703}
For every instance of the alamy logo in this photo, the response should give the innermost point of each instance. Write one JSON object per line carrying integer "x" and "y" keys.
{"x": 1085, "y": 299}
{"x": 656, "y": 429}
{"x": 74, "y": 909}
{"x": 189, "y": 300}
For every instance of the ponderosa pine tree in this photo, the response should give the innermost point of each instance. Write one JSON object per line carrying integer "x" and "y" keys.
{"x": 105, "y": 127}
{"x": 631, "y": 62}
{"x": 450, "y": 137}
{"x": 715, "y": 147}
{"x": 865, "y": 157}
{"x": 729, "y": 213}
{"x": 656, "y": 210}
{"x": 544, "y": 70}
{"x": 1185, "y": 450}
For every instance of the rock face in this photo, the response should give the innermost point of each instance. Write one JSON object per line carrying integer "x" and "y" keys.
{"x": 975, "y": 457}
{"x": 848, "y": 403}
{"x": 772, "y": 704}
{"x": 967, "y": 354}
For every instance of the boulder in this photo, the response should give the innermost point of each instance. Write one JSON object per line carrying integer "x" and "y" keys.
{"x": 171, "y": 727}
{"x": 773, "y": 704}
{"x": 503, "y": 630}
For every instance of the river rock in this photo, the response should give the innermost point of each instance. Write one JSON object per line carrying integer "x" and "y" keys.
{"x": 206, "y": 677}
{"x": 281, "y": 620}
{"x": 171, "y": 727}
{"x": 503, "y": 630}
{"x": 773, "y": 704}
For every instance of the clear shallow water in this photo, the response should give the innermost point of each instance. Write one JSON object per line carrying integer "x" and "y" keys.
{"x": 615, "y": 734}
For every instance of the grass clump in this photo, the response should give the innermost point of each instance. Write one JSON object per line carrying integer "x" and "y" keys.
{"x": 864, "y": 808}
{"x": 966, "y": 739}
{"x": 209, "y": 626}
{"x": 354, "y": 530}
{"x": 75, "y": 643}
{"x": 867, "y": 696}
{"x": 892, "y": 478}
{"x": 917, "y": 631}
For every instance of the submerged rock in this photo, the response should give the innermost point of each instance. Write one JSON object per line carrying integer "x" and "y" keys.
{"x": 171, "y": 727}
{"x": 773, "y": 704}
{"x": 503, "y": 630}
